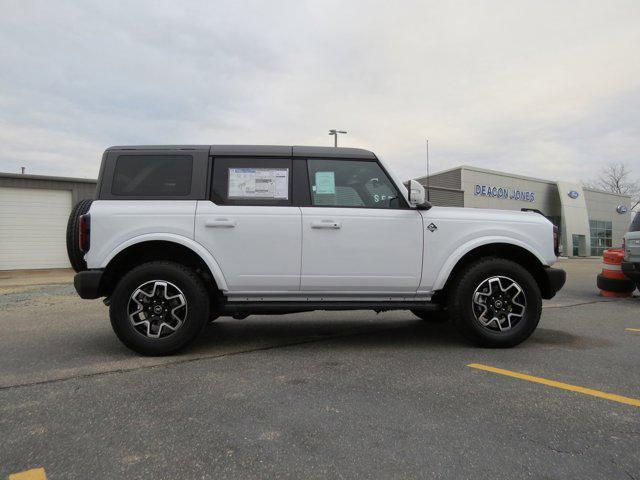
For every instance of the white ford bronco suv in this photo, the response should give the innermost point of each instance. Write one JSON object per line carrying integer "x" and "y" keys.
{"x": 179, "y": 235}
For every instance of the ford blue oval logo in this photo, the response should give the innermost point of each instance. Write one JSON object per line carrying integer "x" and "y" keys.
{"x": 622, "y": 208}
{"x": 573, "y": 194}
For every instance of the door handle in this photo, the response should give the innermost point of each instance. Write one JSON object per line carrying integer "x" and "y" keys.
{"x": 220, "y": 223}
{"x": 330, "y": 224}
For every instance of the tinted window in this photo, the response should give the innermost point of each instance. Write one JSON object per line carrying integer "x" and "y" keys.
{"x": 153, "y": 175}
{"x": 248, "y": 181}
{"x": 351, "y": 183}
{"x": 635, "y": 225}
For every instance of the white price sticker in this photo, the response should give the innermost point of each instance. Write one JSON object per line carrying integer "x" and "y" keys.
{"x": 265, "y": 183}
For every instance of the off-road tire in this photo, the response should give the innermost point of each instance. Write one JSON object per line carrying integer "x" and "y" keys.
{"x": 76, "y": 256}
{"x": 461, "y": 310}
{"x": 197, "y": 302}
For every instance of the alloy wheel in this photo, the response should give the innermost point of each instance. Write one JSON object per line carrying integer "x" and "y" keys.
{"x": 157, "y": 308}
{"x": 499, "y": 303}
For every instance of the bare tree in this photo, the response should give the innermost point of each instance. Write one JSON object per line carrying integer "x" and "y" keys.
{"x": 616, "y": 177}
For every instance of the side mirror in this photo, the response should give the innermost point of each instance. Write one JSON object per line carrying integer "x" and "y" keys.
{"x": 416, "y": 195}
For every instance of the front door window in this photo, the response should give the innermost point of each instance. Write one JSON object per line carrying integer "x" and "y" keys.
{"x": 351, "y": 183}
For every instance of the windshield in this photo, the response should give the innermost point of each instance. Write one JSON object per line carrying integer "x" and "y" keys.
{"x": 635, "y": 225}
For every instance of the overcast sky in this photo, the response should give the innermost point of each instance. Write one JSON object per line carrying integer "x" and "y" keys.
{"x": 548, "y": 89}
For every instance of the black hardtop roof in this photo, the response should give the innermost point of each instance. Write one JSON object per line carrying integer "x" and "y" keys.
{"x": 259, "y": 150}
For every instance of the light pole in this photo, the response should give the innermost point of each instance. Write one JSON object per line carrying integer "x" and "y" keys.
{"x": 335, "y": 133}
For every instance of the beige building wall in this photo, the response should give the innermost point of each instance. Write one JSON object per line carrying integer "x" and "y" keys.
{"x": 576, "y": 236}
{"x": 544, "y": 193}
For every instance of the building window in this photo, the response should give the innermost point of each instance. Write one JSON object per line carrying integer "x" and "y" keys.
{"x": 601, "y": 234}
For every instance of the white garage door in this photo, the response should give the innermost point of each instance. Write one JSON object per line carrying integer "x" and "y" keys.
{"x": 33, "y": 226}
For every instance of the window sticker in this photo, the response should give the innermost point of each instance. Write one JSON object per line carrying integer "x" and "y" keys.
{"x": 325, "y": 183}
{"x": 267, "y": 183}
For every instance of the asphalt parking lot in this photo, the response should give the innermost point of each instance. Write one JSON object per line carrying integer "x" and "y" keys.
{"x": 321, "y": 394}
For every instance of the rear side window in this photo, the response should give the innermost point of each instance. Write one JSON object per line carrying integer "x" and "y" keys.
{"x": 249, "y": 181}
{"x": 153, "y": 175}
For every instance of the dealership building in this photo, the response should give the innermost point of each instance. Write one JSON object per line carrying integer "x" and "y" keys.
{"x": 589, "y": 220}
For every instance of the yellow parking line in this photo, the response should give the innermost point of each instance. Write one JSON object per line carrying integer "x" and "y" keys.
{"x": 34, "y": 474}
{"x": 633, "y": 329}
{"x": 553, "y": 383}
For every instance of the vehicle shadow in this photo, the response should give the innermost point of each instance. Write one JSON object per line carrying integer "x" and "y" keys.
{"x": 263, "y": 332}
{"x": 283, "y": 330}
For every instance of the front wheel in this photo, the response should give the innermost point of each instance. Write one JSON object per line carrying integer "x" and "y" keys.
{"x": 159, "y": 308}
{"x": 495, "y": 302}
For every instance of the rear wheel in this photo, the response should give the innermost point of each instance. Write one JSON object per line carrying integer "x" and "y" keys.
{"x": 495, "y": 302}
{"x": 159, "y": 308}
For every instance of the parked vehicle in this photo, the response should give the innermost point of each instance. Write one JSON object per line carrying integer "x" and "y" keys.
{"x": 180, "y": 235}
{"x": 631, "y": 247}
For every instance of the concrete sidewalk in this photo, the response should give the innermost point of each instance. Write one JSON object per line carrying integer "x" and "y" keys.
{"x": 23, "y": 278}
